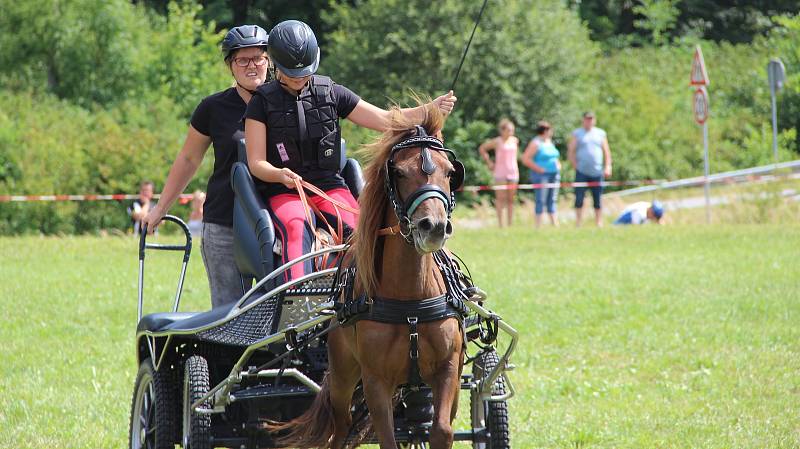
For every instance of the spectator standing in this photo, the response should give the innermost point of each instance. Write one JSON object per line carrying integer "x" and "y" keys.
{"x": 589, "y": 153}
{"x": 541, "y": 157}
{"x": 141, "y": 206}
{"x": 196, "y": 216}
{"x": 640, "y": 213}
{"x": 217, "y": 120}
{"x": 504, "y": 168}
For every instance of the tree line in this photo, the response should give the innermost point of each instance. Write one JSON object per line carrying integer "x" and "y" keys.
{"x": 96, "y": 95}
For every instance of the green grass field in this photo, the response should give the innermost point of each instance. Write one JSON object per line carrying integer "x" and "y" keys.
{"x": 648, "y": 337}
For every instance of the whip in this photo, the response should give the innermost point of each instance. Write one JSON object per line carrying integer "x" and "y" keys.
{"x": 466, "y": 49}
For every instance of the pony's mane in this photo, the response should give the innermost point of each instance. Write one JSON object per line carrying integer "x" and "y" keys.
{"x": 373, "y": 200}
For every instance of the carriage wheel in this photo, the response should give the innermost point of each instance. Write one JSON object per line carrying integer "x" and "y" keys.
{"x": 492, "y": 415}
{"x": 196, "y": 426}
{"x": 153, "y": 417}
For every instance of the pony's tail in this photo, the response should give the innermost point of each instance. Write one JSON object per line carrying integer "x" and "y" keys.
{"x": 312, "y": 429}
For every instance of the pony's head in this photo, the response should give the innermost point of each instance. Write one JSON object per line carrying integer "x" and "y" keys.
{"x": 412, "y": 175}
{"x": 420, "y": 179}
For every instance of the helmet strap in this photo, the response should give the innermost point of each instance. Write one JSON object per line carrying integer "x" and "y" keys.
{"x": 252, "y": 92}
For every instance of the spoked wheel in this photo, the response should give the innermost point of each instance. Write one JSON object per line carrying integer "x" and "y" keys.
{"x": 153, "y": 419}
{"x": 413, "y": 445}
{"x": 196, "y": 426}
{"x": 491, "y": 415}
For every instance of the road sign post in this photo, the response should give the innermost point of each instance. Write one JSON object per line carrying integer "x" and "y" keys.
{"x": 777, "y": 75}
{"x": 699, "y": 78}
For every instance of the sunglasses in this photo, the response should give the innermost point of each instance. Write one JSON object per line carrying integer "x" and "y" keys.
{"x": 257, "y": 61}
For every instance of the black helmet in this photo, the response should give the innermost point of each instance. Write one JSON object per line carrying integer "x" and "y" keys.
{"x": 243, "y": 37}
{"x": 293, "y": 48}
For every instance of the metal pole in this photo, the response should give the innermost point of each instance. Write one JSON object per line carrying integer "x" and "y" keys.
{"x": 705, "y": 171}
{"x": 774, "y": 123}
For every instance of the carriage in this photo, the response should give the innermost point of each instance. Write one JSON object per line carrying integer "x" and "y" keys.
{"x": 219, "y": 378}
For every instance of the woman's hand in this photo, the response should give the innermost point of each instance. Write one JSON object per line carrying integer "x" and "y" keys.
{"x": 446, "y": 103}
{"x": 153, "y": 218}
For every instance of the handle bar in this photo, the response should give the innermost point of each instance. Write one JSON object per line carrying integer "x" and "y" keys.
{"x": 187, "y": 251}
{"x": 187, "y": 248}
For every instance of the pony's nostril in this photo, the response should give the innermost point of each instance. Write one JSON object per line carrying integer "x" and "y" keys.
{"x": 448, "y": 229}
{"x": 425, "y": 225}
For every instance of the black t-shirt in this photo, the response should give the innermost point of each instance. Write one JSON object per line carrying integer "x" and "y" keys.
{"x": 345, "y": 101}
{"x": 219, "y": 116}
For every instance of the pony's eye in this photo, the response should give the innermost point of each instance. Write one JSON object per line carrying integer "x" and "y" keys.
{"x": 398, "y": 173}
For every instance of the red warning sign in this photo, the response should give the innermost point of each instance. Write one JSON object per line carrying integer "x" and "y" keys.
{"x": 699, "y": 75}
{"x": 700, "y": 103}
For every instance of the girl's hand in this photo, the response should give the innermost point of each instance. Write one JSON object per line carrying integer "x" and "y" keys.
{"x": 446, "y": 103}
{"x": 287, "y": 177}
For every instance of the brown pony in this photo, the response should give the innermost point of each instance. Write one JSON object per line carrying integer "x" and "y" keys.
{"x": 388, "y": 267}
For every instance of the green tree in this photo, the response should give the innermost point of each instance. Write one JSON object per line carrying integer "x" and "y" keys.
{"x": 528, "y": 59}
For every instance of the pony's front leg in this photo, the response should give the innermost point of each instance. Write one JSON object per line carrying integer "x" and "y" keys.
{"x": 378, "y": 392}
{"x": 445, "y": 386}
{"x": 344, "y": 373}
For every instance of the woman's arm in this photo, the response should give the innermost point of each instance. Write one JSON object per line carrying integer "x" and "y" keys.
{"x": 370, "y": 116}
{"x": 529, "y": 154}
{"x": 185, "y": 166}
{"x": 483, "y": 150}
{"x": 255, "y": 135}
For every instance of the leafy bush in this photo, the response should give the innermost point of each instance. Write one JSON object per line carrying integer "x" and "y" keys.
{"x": 100, "y": 152}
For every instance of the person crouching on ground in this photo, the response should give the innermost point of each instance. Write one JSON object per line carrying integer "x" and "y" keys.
{"x": 641, "y": 213}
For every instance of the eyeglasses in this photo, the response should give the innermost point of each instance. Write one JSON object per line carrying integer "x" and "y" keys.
{"x": 257, "y": 61}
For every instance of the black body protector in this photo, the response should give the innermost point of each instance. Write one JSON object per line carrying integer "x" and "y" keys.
{"x": 304, "y": 132}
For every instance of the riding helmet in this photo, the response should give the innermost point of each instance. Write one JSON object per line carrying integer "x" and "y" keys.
{"x": 243, "y": 36}
{"x": 293, "y": 48}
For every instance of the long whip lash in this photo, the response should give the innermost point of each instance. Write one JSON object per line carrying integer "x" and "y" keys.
{"x": 466, "y": 49}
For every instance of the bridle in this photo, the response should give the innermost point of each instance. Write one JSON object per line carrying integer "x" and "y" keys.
{"x": 405, "y": 209}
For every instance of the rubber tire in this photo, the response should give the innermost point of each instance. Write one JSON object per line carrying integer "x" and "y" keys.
{"x": 196, "y": 426}
{"x": 164, "y": 397}
{"x": 490, "y": 414}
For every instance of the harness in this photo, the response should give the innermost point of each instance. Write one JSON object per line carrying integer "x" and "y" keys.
{"x": 394, "y": 311}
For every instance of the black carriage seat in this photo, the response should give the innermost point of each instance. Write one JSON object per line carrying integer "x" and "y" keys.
{"x": 247, "y": 327}
{"x": 254, "y": 234}
{"x": 158, "y": 322}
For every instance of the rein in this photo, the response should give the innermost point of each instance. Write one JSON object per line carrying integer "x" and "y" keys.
{"x": 337, "y": 235}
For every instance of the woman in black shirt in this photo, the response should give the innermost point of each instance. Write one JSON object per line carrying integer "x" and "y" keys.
{"x": 215, "y": 121}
